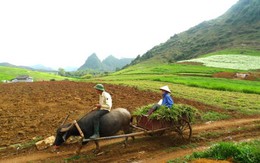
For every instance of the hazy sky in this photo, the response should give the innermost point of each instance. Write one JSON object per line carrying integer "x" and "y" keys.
{"x": 61, "y": 33}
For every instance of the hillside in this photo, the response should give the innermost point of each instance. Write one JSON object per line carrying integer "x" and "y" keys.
{"x": 8, "y": 73}
{"x": 237, "y": 28}
{"x": 108, "y": 64}
{"x": 37, "y": 67}
{"x": 6, "y": 64}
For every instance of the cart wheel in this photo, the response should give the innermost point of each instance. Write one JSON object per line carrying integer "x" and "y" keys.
{"x": 184, "y": 129}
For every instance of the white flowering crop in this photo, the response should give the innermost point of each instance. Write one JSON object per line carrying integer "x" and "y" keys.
{"x": 232, "y": 61}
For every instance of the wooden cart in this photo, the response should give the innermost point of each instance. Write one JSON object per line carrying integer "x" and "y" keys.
{"x": 146, "y": 126}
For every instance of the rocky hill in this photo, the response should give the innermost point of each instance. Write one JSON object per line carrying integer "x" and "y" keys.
{"x": 108, "y": 64}
{"x": 239, "y": 27}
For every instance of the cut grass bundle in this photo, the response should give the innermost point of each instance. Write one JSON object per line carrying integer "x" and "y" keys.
{"x": 174, "y": 113}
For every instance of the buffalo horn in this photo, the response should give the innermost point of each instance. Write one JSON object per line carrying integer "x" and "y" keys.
{"x": 65, "y": 120}
{"x": 64, "y": 129}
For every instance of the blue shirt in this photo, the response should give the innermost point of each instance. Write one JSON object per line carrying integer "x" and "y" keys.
{"x": 167, "y": 100}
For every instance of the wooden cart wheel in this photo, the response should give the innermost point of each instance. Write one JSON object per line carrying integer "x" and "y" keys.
{"x": 184, "y": 129}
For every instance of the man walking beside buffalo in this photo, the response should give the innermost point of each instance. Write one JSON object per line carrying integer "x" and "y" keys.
{"x": 104, "y": 106}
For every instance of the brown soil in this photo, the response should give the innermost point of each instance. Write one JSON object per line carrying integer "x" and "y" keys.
{"x": 35, "y": 109}
{"x": 190, "y": 63}
{"x": 232, "y": 75}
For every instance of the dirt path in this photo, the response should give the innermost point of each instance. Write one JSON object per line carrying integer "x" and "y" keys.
{"x": 220, "y": 125}
{"x": 149, "y": 149}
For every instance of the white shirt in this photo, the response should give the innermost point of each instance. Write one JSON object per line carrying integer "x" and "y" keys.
{"x": 105, "y": 101}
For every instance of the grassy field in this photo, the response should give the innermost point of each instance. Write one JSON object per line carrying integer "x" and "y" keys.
{"x": 8, "y": 73}
{"x": 232, "y": 101}
{"x": 162, "y": 68}
{"x": 239, "y": 152}
{"x": 225, "y": 98}
{"x": 196, "y": 75}
{"x": 234, "y": 51}
{"x": 188, "y": 81}
{"x": 195, "y": 82}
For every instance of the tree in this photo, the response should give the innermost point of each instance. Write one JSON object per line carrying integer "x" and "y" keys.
{"x": 61, "y": 72}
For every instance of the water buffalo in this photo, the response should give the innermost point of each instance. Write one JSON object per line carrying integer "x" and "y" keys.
{"x": 112, "y": 122}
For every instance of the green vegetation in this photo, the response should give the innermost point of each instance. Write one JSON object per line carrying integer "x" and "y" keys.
{"x": 239, "y": 152}
{"x": 214, "y": 116}
{"x": 190, "y": 75}
{"x": 233, "y": 101}
{"x": 24, "y": 145}
{"x": 8, "y": 73}
{"x": 237, "y": 28}
{"x": 237, "y": 51}
{"x": 192, "y": 79}
{"x": 195, "y": 82}
{"x": 175, "y": 113}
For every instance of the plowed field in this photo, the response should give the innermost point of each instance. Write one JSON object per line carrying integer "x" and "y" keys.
{"x": 29, "y": 110}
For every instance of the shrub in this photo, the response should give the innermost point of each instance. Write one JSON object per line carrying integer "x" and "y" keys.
{"x": 240, "y": 152}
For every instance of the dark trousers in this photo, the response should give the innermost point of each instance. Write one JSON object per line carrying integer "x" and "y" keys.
{"x": 154, "y": 107}
{"x": 97, "y": 116}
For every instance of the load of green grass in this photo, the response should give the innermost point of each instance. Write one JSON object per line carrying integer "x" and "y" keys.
{"x": 239, "y": 152}
{"x": 175, "y": 113}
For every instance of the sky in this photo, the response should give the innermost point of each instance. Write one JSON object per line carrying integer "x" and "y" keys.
{"x": 64, "y": 33}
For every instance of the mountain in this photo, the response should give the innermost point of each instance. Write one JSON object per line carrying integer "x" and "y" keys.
{"x": 6, "y": 64}
{"x": 39, "y": 67}
{"x": 93, "y": 63}
{"x": 111, "y": 63}
{"x": 42, "y": 68}
{"x": 239, "y": 27}
{"x": 108, "y": 64}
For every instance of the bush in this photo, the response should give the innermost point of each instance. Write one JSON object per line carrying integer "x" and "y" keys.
{"x": 87, "y": 76}
{"x": 240, "y": 152}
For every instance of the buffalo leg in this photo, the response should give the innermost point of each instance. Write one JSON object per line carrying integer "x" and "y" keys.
{"x": 97, "y": 150}
{"x": 80, "y": 147}
{"x": 128, "y": 130}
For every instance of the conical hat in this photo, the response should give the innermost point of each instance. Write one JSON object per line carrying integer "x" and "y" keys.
{"x": 165, "y": 88}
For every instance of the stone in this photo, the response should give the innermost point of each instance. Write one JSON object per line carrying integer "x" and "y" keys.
{"x": 43, "y": 144}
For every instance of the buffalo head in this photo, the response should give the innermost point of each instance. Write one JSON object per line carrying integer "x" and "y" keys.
{"x": 62, "y": 134}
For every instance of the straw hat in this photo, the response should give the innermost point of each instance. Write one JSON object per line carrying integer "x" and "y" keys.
{"x": 165, "y": 88}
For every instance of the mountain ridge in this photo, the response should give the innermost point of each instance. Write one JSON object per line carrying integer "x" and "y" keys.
{"x": 237, "y": 27}
{"x": 110, "y": 63}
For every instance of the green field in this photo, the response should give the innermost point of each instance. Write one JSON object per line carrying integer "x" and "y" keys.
{"x": 193, "y": 82}
{"x": 189, "y": 81}
{"x": 224, "y": 98}
{"x": 9, "y": 73}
